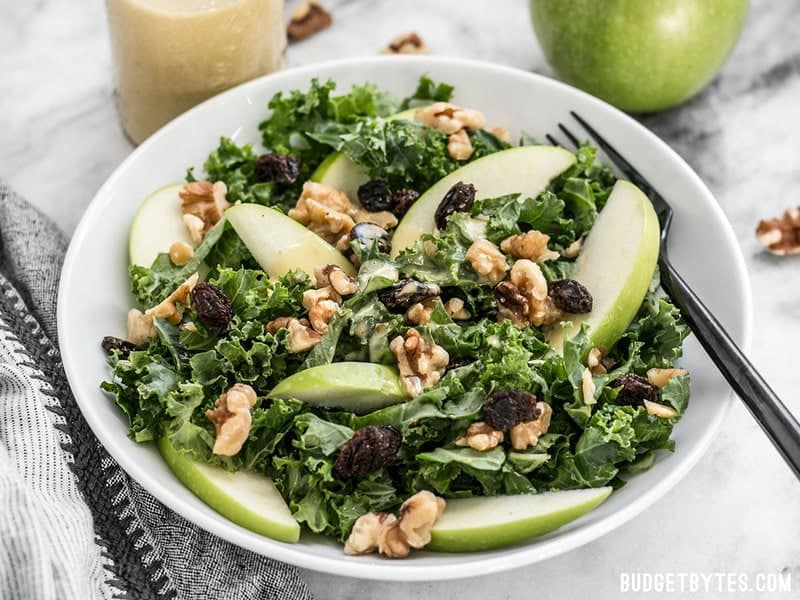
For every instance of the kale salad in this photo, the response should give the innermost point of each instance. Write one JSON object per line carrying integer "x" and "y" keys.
{"x": 388, "y": 312}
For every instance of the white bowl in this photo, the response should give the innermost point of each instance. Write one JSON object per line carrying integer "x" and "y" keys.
{"x": 94, "y": 296}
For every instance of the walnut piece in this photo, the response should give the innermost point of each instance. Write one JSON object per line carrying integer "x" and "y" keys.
{"x": 180, "y": 253}
{"x": 480, "y": 436}
{"x": 421, "y": 364}
{"x": 459, "y": 146}
{"x": 366, "y": 530}
{"x": 501, "y": 133}
{"x": 449, "y": 118}
{"x": 140, "y": 327}
{"x": 588, "y": 387}
{"x": 406, "y": 43}
{"x": 511, "y": 304}
{"x": 531, "y": 245}
{"x": 781, "y": 236}
{"x": 487, "y": 261}
{"x": 334, "y": 276}
{"x": 194, "y": 226}
{"x": 283, "y": 323}
{"x": 321, "y": 305}
{"x": 204, "y": 200}
{"x": 595, "y": 362}
{"x": 661, "y": 377}
{"x": 330, "y": 214}
{"x": 418, "y": 515}
{"x": 232, "y": 419}
{"x": 574, "y": 249}
{"x": 525, "y": 435}
{"x": 455, "y": 309}
{"x": 301, "y": 336}
{"x": 420, "y": 313}
{"x": 659, "y": 410}
{"x": 168, "y": 308}
{"x": 392, "y": 536}
{"x": 527, "y": 276}
{"x": 307, "y": 19}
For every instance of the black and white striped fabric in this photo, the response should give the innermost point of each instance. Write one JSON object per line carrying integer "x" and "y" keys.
{"x": 73, "y": 526}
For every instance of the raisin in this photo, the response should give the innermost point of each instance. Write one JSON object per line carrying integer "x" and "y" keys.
{"x": 511, "y": 301}
{"x": 375, "y": 195}
{"x": 506, "y": 408}
{"x": 213, "y": 308}
{"x": 279, "y": 168}
{"x": 457, "y": 363}
{"x": 402, "y": 200}
{"x": 111, "y": 343}
{"x": 459, "y": 198}
{"x": 369, "y": 234}
{"x": 570, "y": 296}
{"x": 634, "y": 390}
{"x": 401, "y": 296}
{"x": 369, "y": 450}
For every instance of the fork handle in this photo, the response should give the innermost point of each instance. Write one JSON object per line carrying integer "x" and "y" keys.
{"x": 763, "y": 403}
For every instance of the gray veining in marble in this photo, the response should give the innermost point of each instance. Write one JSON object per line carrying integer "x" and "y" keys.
{"x": 737, "y": 511}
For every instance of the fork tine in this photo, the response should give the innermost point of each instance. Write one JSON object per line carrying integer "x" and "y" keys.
{"x": 553, "y": 141}
{"x": 627, "y": 168}
{"x": 570, "y": 136}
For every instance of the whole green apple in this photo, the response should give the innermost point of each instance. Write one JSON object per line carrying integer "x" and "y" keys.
{"x": 640, "y": 55}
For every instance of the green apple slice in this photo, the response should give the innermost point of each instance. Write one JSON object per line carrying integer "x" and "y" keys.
{"x": 280, "y": 243}
{"x": 246, "y": 498}
{"x": 526, "y": 170}
{"x": 338, "y": 171}
{"x": 355, "y": 386}
{"x": 616, "y": 266}
{"x": 484, "y": 523}
{"x": 157, "y": 225}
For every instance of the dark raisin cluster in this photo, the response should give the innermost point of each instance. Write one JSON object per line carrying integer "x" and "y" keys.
{"x": 124, "y": 347}
{"x": 369, "y": 450}
{"x": 506, "y": 408}
{"x": 458, "y": 198}
{"x": 404, "y": 294}
{"x": 570, "y": 296}
{"x": 213, "y": 308}
{"x": 376, "y": 195}
{"x": 635, "y": 389}
{"x": 278, "y": 168}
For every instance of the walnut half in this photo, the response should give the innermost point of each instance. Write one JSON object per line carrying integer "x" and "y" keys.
{"x": 781, "y": 236}
{"x": 480, "y": 436}
{"x": 232, "y": 419}
{"x": 527, "y": 434}
{"x": 395, "y": 536}
{"x": 421, "y": 364}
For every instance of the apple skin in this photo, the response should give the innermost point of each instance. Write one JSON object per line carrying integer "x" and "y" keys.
{"x": 157, "y": 225}
{"x": 616, "y": 265}
{"x": 526, "y": 170}
{"x": 355, "y": 386}
{"x": 474, "y": 537}
{"x": 639, "y": 55}
{"x": 265, "y": 513}
{"x": 281, "y": 244}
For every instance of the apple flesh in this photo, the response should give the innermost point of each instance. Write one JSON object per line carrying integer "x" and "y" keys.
{"x": 355, "y": 386}
{"x": 641, "y": 56}
{"x": 338, "y": 171}
{"x": 157, "y": 225}
{"x": 246, "y": 498}
{"x": 526, "y": 170}
{"x": 281, "y": 244}
{"x": 485, "y": 523}
{"x": 616, "y": 265}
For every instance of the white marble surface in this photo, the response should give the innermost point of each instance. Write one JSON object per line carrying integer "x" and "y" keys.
{"x": 737, "y": 511}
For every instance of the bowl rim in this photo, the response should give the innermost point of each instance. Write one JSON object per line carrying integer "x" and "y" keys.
{"x": 398, "y": 570}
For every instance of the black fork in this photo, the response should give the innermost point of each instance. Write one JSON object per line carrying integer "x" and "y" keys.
{"x": 773, "y": 416}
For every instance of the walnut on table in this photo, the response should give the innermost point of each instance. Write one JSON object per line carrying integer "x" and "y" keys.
{"x": 781, "y": 236}
{"x": 306, "y": 20}
{"x": 406, "y": 43}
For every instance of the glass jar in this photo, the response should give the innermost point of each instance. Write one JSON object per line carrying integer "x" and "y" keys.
{"x": 169, "y": 55}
